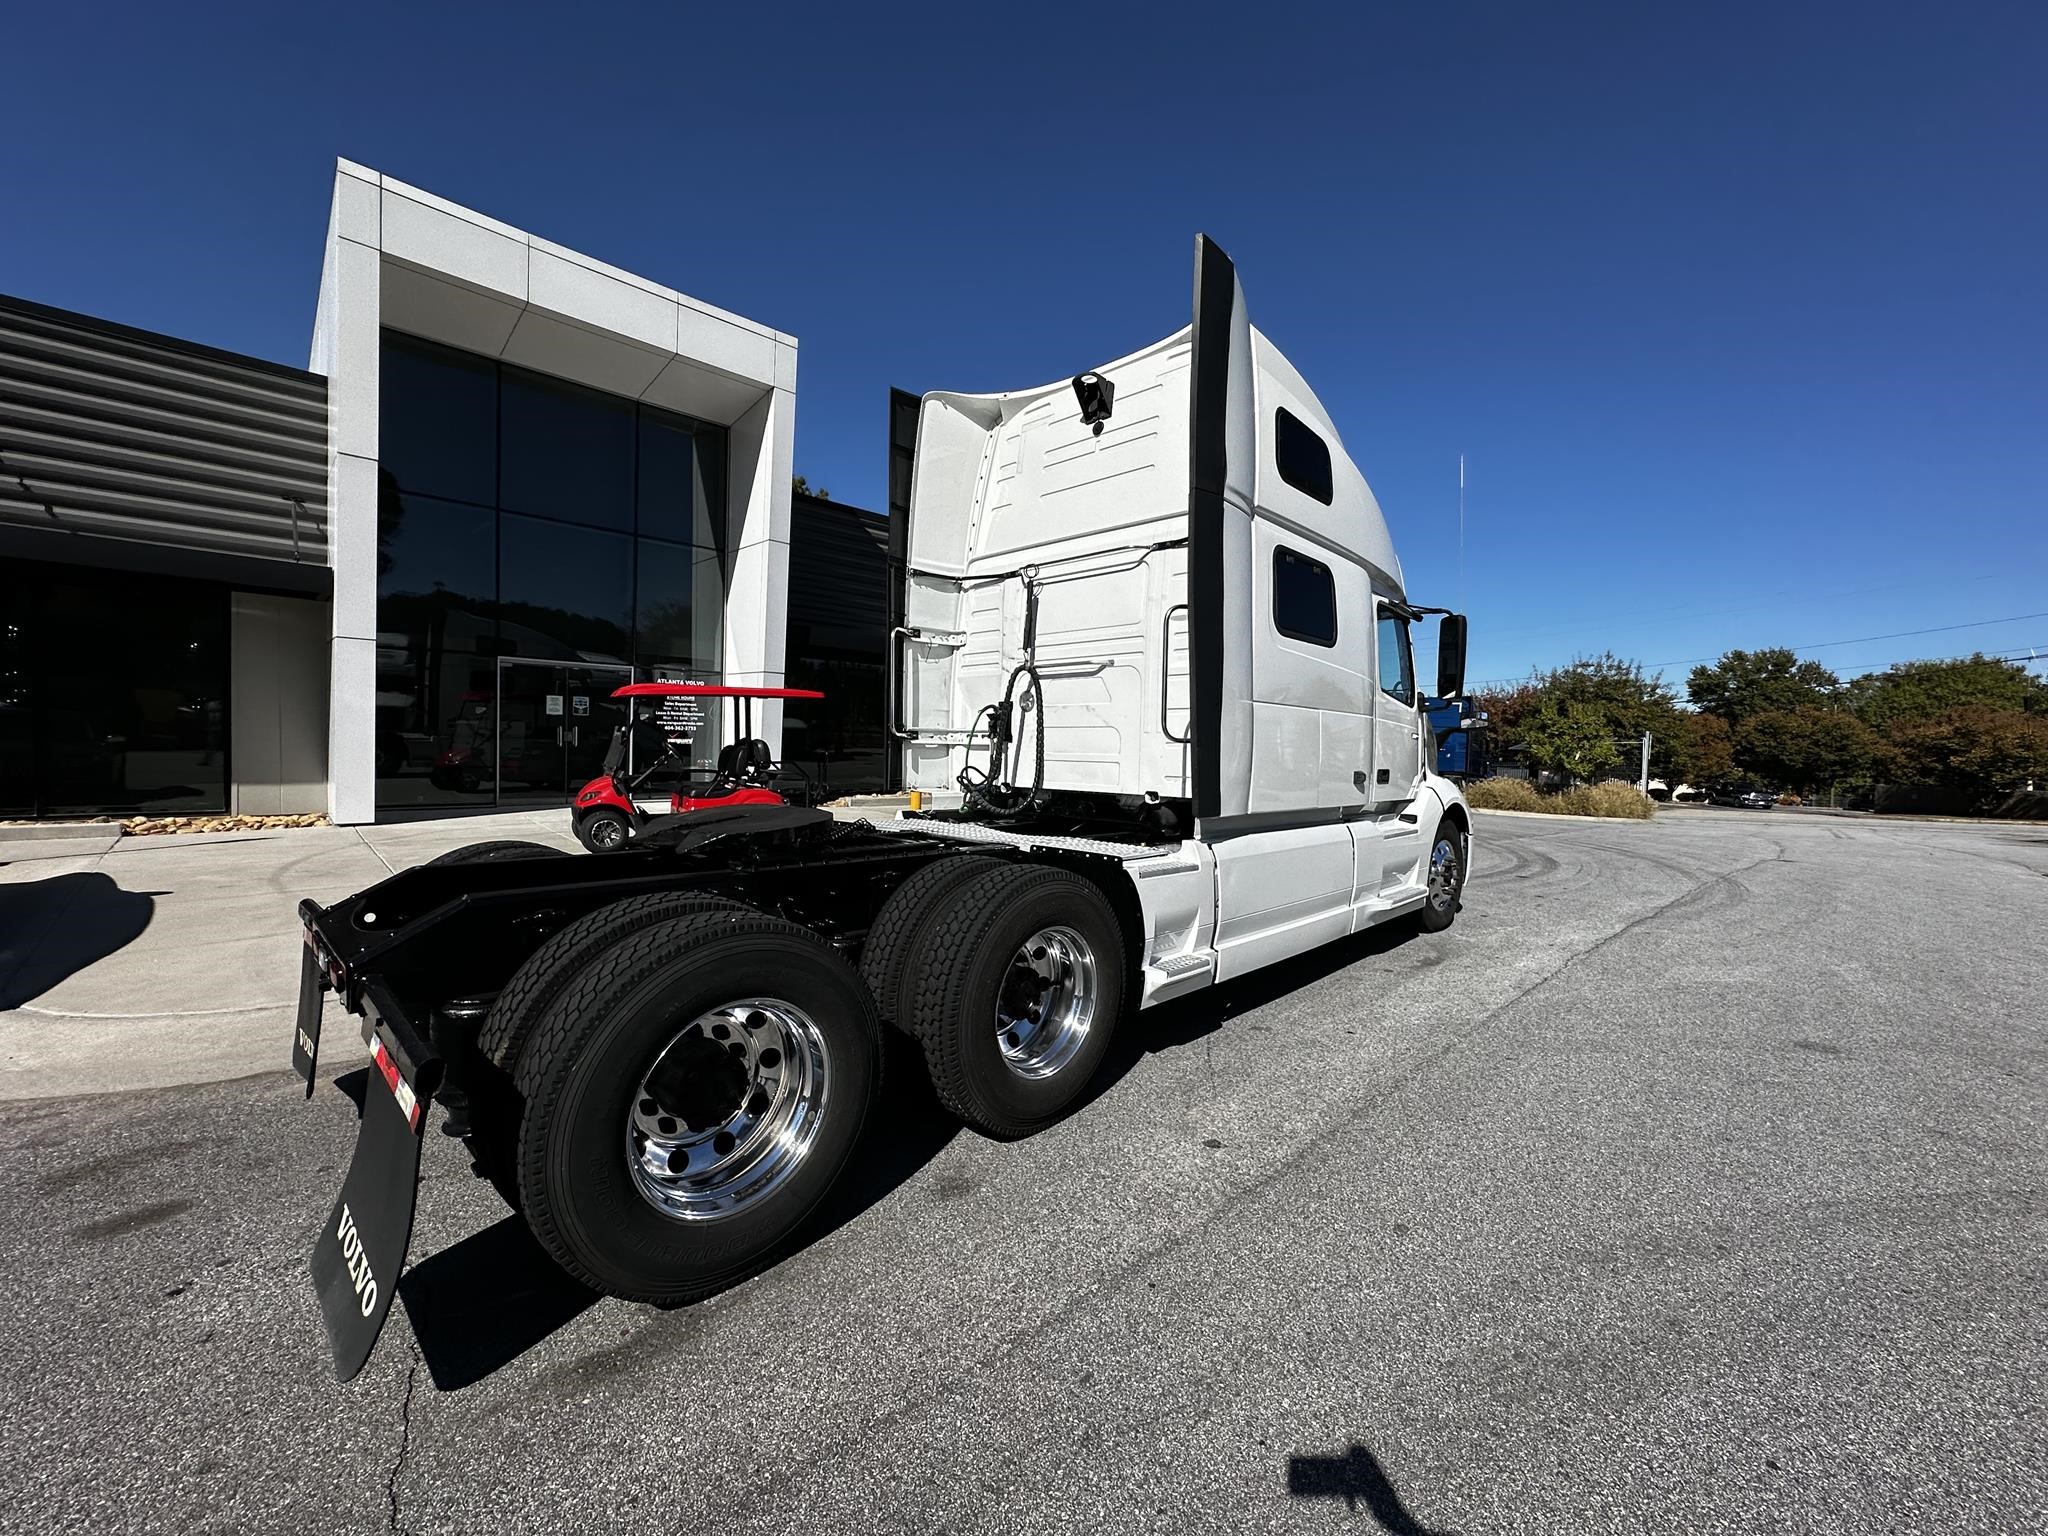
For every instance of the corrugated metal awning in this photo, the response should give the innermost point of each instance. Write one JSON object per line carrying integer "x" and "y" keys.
{"x": 110, "y": 433}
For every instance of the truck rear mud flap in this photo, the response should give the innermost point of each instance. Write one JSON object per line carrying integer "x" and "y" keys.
{"x": 360, "y": 1249}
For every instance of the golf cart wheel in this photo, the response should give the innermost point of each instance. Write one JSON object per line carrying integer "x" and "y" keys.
{"x": 1014, "y": 992}
{"x": 495, "y": 1101}
{"x": 1447, "y": 859}
{"x": 910, "y": 909}
{"x": 690, "y": 1098}
{"x": 494, "y": 853}
{"x": 604, "y": 831}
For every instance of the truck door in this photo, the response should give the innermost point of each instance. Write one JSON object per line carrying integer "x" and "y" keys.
{"x": 1396, "y": 724}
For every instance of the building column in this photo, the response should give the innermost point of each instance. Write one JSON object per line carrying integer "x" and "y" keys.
{"x": 756, "y": 625}
{"x": 350, "y": 322}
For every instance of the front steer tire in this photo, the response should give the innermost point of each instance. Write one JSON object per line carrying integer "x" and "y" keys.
{"x": 957, "y": 977}
{"x": 584, "y": 1065}
{"x": 1450, "y": 855}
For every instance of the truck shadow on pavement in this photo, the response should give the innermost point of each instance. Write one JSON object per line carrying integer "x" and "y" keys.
{"x": 51, "y": 929}
{"x": 1357, "y": 1478}
{"x": 1185, "y": 1020}
{"x": 485, "y": 1300}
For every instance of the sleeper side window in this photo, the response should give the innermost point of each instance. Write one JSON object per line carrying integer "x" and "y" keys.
{"x": 1304, "y": 598}
{"x": 1397, "y": 664}
{"x": 1303, "y": 456}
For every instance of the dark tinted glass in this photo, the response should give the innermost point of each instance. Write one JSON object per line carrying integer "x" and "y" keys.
{"x": 437, "y": 420}
{"x": 682, "y": 480}
{"x": 564, "y": 591}
{"x": 433, "y": 549}
{"x": 680, "y": 607}
{"x": 1304, "y": 598}
{"x": 565, "y": 452}
{"x": 1303, "y": 456}
{"x": 125, "y": 679}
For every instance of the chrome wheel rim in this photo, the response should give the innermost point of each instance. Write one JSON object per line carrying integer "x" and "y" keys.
{"x": 1444, "y": 869}
{"x": 1047, "y": 1003}
{"x": 729, "y": 1109}
{"x": 607, "y": 832}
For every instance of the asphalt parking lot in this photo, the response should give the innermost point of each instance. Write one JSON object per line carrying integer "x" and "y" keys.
{"x": 1694, "y": 1181}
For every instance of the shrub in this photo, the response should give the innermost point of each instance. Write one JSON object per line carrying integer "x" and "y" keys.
{"x": 1613, "y": 798}
{"x": 1503, "y": 795}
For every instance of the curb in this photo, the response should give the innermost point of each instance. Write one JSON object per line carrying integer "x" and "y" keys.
{"x": 1598, "y": 821}
{"x": 50, "y": 831}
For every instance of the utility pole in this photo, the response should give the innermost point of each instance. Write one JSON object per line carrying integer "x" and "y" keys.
{"x": 1644, "y": 786}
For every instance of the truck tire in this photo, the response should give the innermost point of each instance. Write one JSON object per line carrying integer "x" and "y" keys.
{"x": 1447, "y": 861}
{"x": 1014, "y": 992}
{"x": 495, "y": 853}
{"x": 739, "y": 1043}
{"x": 493, "y": 1092}
{"x": 910, "y": 909}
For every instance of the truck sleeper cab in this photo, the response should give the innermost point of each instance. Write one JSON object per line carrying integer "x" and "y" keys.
{"x": 1154, "y": 679}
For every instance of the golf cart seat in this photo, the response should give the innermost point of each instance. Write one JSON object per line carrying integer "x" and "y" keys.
{"x": 743, "y": 762}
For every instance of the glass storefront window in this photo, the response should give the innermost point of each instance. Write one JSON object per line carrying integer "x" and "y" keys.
{"x": 566, "y": 452}
{"x": 521, "y": 519}
{"x": 115, "y": 693}
{"x": 681, "y": 609}
{"x": 438, "y": 422}
{"x": 563, "y": 591}
{"x": 682, "y": 480}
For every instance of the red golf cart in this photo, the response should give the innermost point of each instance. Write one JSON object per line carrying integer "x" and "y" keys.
{"x": 606, "y": 816}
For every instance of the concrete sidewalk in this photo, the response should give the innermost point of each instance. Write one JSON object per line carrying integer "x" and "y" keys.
{"x": 141, "y": 962}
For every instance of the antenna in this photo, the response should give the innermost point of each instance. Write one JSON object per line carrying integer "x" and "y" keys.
{"x": 1461, "y": 533}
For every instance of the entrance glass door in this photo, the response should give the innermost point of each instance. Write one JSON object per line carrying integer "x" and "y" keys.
{"x": 555, "y": 721}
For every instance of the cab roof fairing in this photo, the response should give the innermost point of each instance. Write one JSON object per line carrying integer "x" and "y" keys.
{"x": 1353, "y": 522}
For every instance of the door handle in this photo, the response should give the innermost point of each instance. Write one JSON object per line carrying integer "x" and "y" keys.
{"x": 558, "y": 735}
{"x": 1385, "y": 775}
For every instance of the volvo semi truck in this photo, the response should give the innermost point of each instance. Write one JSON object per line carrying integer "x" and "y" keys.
{"x": 1155, "y": 689}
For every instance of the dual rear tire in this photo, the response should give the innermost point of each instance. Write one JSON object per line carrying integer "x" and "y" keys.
{"x": 1010, "y": 978}
{"x": 670, "y": 1086}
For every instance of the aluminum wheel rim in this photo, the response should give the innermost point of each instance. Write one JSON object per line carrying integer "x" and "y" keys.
{"x": 1443, "y": 873}
{"x": 1047, "y": 1003}
{"x": 729, "y": 1109}
{"x": 607, "y": 832}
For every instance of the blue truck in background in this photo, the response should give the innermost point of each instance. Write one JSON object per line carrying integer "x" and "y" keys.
{"x": 1459, "y": 731}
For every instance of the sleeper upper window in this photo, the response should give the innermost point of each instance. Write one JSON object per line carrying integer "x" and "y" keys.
{"x": 1303, "y": 456}
{"x": 1304, "y": 598}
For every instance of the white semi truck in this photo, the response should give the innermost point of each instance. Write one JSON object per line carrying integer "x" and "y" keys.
{"x": 1154, "y": 684}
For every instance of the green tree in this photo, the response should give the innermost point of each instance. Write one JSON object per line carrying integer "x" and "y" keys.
{"x": 1703, "y": 752}
{"x": 1923, "y": 690}
{"x": 1982, "y": 752}
{"x": 1626, "y": 701}
{"x": 1564, "y": 736}
{"x": 1805, "y": 749}
{"x": 1745, "y": 683}
{"x": 802, "y": 487}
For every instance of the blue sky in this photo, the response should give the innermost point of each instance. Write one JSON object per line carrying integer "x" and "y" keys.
{"x": 1736, "y": 312}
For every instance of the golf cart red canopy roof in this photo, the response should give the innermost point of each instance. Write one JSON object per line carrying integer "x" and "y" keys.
{"x": 708, "y": 691}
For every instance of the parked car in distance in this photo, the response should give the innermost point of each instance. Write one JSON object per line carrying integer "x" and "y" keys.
{"x": 1747, "y": 796}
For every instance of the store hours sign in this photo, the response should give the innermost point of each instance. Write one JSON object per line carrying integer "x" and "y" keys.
{"x": 691, "y": 725}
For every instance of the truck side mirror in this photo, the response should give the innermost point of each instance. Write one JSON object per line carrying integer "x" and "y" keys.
{"x": 1450, "y": 656}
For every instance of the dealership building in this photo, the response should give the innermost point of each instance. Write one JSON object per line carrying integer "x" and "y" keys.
{"x": 511, "y": 479}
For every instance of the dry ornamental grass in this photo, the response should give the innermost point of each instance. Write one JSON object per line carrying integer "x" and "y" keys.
{"x": 1613, "y": 798}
